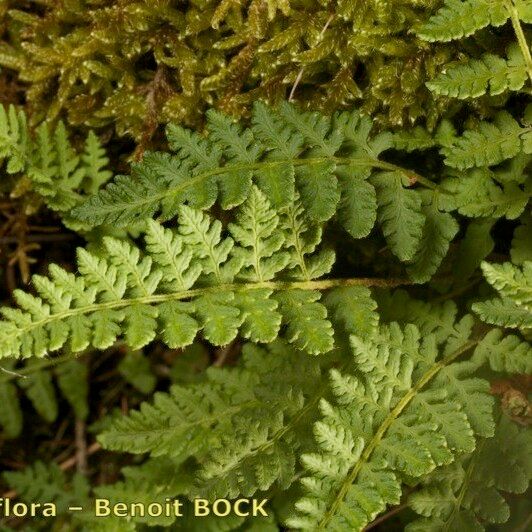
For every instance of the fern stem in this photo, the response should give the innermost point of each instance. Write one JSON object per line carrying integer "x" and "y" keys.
{"x": 385, "y": 425}
{"x": 47, "y": 363}
{"x": 520, "y": 34}
{"x": 324, "y": 284}
{"x": 412, "y": 176}
{"x": 465, "y": 483}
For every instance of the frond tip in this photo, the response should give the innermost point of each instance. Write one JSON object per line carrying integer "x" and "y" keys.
{"x": 514, "y": 306}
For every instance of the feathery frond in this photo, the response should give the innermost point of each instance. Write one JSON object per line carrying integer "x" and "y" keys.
{"x": 188, "y": 280}
{"x": 392, "y": 418}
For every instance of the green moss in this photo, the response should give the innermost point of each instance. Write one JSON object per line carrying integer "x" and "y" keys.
{"x": 137, "y": 64}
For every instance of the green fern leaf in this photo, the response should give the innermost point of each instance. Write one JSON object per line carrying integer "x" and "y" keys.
{"x": 476, "y": 245}
{"x": 437, "y": 319}
{"x": 488, "y": 145}
{"x": 285, "y": 153}
{"x": 47, "y": 484}
{"x": 511, "y": 282}
{"x": 302, "y": 237}
{"x": 14, "y": 139}
{"x": 57, "y": 173}
{"x": 524, "y": 10}
{"x": 514, "y": 307}
{"x": 260, "y": 243}
{"x": 491, "y": 75}
{"x": 189, "y": 280}
{"x": 478, "y": 194}
{"x": 417, "y": 138}
{"x": 400, "y": 215}
{"x": 461, "y": 18}
{"x": 465, "y": 495}
{"x": 95, "y": 162}
{"x": 40, "y": 391}
{"x": 306, "y": 321}
{"x": 358, "y": 206}
{"x": 391, "y": 417}
{"x": 211, "y": 421}
{"x": 438, "y": 231}
{"x": 354, "y": 309}
{"x": 504, "y": 312}
{"x": 505, "y": 353}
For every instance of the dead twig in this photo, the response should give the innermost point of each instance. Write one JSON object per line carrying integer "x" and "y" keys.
{"x": 81, "y": 447}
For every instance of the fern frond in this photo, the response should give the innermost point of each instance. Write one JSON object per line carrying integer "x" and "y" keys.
{"x": 487, "y": 145}
{"x": 461, "y": 18}
{"x": 491, "y": 75}
{"x": 327, "y": 162}
{"x": 478, "y": 194}
{"x": 57, "y": 173}
{"x": 190, "y": 280}
{"x": 392, "y": 417}
{"x": 467, "y": 494}
{"x": 240, "y": 425}
{"x": 514, "y": 306}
